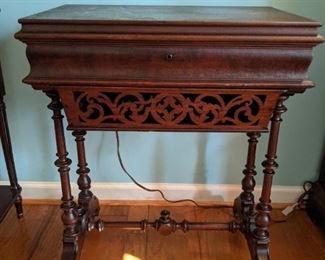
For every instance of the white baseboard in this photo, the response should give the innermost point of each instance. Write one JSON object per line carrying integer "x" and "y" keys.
{"x": 128, "y": 191}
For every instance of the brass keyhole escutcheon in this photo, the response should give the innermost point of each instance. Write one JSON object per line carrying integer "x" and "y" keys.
{"x": 169, "y": 56}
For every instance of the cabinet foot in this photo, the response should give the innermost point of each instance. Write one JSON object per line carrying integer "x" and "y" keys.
{"x": 72, "y": 250}
{"x": 89, "y": 215}
{"x": 258, "y": 250}
{"x": 87, "y": 220}
{"x": 19, "y": 206}
{"x": 72, "y": 243}
{"x": 262, "y": 252}
{"x": 69, "y": 251}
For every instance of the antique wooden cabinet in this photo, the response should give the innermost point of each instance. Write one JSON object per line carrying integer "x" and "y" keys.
{"x": 168, "y": 68}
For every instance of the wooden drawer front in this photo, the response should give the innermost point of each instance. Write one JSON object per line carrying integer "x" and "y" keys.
{"x": 105, "y": 63}
{"x": 167, "y": 109}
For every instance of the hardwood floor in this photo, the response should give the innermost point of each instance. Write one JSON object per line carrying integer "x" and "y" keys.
{"x": 38, "y": 236}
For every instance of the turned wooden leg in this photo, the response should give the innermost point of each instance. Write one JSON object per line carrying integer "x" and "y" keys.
{"x": 263, "y": 208}
{"x": 69, "y": 207}
{"x": 248, "y": 182}
{"x": 83, "y": 180}
{"x": 244, "y": 204}
{"x": 9, "y": 158}
{"x": 88, "y": 203}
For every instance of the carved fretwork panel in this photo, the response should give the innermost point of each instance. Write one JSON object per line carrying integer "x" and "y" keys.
{"x": 166, "y": 109}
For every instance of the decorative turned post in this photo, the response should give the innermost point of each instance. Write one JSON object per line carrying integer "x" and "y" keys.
{"x": 248, "y": 182}
{"x": 264, "y": 208}
{"x": 8, "y": 154}
{"x": 83, "y": 181}
{"x": 69, "y": 207}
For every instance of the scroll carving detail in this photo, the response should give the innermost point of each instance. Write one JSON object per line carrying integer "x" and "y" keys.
{"x": 169, "y": 109}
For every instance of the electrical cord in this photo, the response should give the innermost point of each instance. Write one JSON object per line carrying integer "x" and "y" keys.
{"x": 300, "y": 204}
{"x": 156, "y": 190}
{"x": 300, "y": 200}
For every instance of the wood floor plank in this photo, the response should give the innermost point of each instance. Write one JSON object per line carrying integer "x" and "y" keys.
{"x": 297, "y": 238}
{"x": 49, "y": 245}
{"x": 20, "y": 239}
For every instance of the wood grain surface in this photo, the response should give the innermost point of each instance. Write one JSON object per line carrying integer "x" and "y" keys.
{"x": 165, "y": 14}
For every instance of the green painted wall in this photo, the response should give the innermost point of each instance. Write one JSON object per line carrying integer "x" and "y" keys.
{"x": 159, "y": 157}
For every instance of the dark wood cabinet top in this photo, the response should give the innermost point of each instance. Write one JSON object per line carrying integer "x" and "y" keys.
{"x": 171, "y": 14}
{"x": 187, "y": 23}
{"x": 169, "y": 46}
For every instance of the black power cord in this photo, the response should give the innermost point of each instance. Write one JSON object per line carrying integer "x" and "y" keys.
{"x": 300, "y": 200}
{"x": 156, "y": 190}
